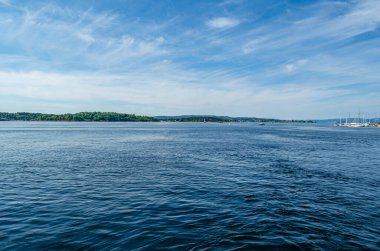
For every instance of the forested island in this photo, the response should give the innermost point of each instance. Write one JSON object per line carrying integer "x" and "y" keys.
{"x": 123, "y": 117}
{"x": 80, "y": 116}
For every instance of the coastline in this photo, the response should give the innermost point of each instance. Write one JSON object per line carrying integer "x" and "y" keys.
{"x": 123, "y": 117}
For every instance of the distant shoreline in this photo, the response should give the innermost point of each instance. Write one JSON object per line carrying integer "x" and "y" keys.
{"x": 123, "y": 117}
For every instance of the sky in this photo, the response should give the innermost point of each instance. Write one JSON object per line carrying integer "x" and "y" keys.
{"x": 291, "y": 59}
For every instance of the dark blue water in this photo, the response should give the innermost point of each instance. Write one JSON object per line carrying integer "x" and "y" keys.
{"x": 188, "y": 186}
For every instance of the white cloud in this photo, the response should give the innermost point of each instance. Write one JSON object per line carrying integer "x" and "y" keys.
{"x": 321, "y": 27}
{"x": 86, "y": 37}
{"x": 291, "y": 67}
{"x": 250, "y": 46}
{"x": 69, "y": 37}
{"x": 163, "y": 91}
{"x": 222, "y": 23}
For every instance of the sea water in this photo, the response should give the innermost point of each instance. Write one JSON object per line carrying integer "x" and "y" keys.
{"x": 188, "y": 186}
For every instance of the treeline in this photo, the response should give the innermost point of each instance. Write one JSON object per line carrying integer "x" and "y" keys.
{"x": 261, "y": 120}
{"x": 198, "y": 119}
{"x": 81, "y": 116}
{"x": 122, "y": 117}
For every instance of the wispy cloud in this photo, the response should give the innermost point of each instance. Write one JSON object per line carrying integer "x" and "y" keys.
{"x": 67, "y": 35}
{"x": 5, "y": 2}
{"x": 319, "y": 28}
{"x": 222, "y": 23}
{"x": 293, "y": 66}
{"x": 230, "y": 2}
{"x": 154, "y": 93}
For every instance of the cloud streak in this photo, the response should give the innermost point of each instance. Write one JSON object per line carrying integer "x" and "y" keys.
{"x": 222, "y": 23}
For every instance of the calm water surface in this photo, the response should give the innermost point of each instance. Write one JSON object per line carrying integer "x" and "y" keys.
{"x": 188, "y": 186}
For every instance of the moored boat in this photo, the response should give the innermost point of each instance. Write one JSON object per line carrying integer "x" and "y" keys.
{"x": 359, "y": 122}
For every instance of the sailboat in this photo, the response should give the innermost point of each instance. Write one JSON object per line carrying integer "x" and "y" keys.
{"x": 355, "y": 123}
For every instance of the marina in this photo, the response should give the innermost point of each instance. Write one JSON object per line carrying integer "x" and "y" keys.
{"x": 360, "y": 121}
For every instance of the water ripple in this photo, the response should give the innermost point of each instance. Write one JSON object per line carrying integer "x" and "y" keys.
{"x": 172, "y": 186}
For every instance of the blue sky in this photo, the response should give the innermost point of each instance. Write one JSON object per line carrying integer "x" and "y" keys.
{"x": 265, "y": 58}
